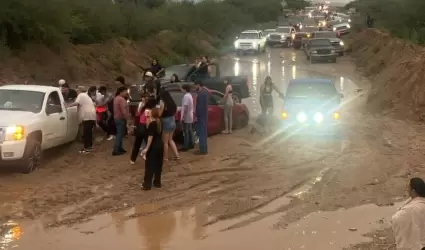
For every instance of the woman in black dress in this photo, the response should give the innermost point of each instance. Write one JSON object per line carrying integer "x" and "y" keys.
{"x": 154, "y": 152}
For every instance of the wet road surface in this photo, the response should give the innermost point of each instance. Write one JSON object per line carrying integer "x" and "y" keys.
{"x": 246, "y": 194}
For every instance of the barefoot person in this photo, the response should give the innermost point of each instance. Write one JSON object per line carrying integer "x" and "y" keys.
{"x": 228, "y": 108}
{"x": 154, "y": 152}
{"x": 409, "y": 221}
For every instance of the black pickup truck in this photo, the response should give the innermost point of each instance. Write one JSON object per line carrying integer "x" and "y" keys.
{"x": 188, "y": 73}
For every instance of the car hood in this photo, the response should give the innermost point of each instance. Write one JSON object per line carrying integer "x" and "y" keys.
{"x": 335, "y": 39}
{"x": 279, "y": 34}
{"x": 312, "y": 105}
{"x": 247, "y": 40}
{"x": 16, "y": 117}
{"x": 322, "y": 47}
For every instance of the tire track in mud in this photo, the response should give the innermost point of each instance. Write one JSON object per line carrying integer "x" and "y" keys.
{"x": 259, "y": 206}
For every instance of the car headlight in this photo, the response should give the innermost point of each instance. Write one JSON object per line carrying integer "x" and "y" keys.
{"x": 348, "y": 26}
{"x": 14, "y": 133}
{"x": 318, "y": 117}
{"x": 337, "y": 116}
{"x": 236, "y": 44}
{"x": 349, "y": 20}
{"x": 301, "y": 117}
{"x": 254, "y": 44}
{"x": 313, "y": 52}
{"x": 341, "y": 43}
{"x": 334, "y": 29}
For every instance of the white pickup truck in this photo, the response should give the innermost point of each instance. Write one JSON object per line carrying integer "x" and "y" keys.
{"x": 250, "y": 41}
{"x": 33, "y": 118}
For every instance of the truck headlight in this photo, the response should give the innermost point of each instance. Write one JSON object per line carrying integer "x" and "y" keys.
{"x": 236, "y": 44}
{"x": 318, "y": 117}
{"x": 254, "y": 44}
{"x": 14, "y": 133}
{"x": 349, "y": 20}
{"x": 341, "y": 43}
{"x": 301, "y": 117}
{"x": 313, "y": 52}
{"x": 348, "y": 26}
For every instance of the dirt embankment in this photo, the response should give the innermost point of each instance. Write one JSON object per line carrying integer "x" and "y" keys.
{"x": 395, "y": 67}
{"x": 101, "y": 63}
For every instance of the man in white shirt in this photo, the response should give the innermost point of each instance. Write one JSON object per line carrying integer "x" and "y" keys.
{"x": 187, "y": 118}
{"x": 87, "y": 114}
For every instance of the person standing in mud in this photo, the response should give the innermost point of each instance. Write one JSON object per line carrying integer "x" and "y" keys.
{"x": 121, "y": 116}
{"x": 154, "y": 152}
{"x": 408, "y": 222}
{"x": 102, "y": 99}
{"x": 201, "y": 112}
{"x": 87, "y": 114}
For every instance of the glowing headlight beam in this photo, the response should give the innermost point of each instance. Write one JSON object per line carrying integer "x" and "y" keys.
{"x": 318, "y": 117}
{"x": 302, "y": 117}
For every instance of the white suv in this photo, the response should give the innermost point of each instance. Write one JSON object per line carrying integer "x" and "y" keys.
{"x": 250, "y": 41}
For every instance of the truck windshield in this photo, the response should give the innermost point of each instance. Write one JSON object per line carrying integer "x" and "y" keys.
{"x": 283, "y": 30}
{"x": 21, "y": 100}
{"x": 311, "y": 90}
{"x": 248, "y": 36}
{"x": 326, "y": 35}
{"x": 180, "y": 70}
{"x": 320, "y": 42}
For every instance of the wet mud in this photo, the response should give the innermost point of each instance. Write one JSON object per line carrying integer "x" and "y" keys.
{"x": 248, "y": 185}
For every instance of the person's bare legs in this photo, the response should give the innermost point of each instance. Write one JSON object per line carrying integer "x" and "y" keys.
{"x": 230, "y": 119}
{"x": 165, "y": 140}
{"x": 172, "y": 144}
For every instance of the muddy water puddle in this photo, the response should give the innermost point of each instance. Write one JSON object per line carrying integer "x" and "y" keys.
{"x": 142, "y": 228}
{"x": 184, "y": 230}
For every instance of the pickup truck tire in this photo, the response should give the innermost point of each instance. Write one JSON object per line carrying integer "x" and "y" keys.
{"x": 236, "y": 98}
{"x": 32, "y": 157}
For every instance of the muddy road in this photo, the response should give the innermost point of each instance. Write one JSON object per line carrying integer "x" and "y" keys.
{"x": 246, "y": 186}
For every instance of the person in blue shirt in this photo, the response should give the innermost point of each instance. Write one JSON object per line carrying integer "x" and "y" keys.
{"x": 201, "y": 112}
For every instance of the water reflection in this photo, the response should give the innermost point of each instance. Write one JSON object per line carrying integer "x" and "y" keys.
{"x": 236, "y": 68}
{"x": 119, "y": 218}
{"x": 201, "y": 218}
{"x": 341, "y": 83}
{"x": 157, "y": 230}
{"x": 9, "y": 233}
{"x": 294, "y": 72}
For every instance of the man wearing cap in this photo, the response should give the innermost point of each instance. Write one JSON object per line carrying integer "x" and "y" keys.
{"x": 152, "y": 86}
{"x": 201, "y": 112}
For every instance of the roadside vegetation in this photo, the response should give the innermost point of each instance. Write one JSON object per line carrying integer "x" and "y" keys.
{"x": 401, "y": 18}
{"x": 56, "y": 22}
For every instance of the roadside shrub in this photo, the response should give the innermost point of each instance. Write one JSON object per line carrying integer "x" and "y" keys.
{"x": 402, "y": 18}
{"x": 84, "y": 22}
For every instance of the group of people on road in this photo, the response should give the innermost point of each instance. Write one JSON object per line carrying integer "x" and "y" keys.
{"x": 156, "y": 118}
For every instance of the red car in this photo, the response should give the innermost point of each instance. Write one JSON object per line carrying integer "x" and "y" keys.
{"x": 215, "y": 112}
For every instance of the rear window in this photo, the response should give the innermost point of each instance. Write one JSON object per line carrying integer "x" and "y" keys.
{"x": 325, "y": 35}
{"x": 311, "y": 90}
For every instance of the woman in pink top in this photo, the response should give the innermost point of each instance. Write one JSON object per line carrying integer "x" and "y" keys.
{"x": 144, "y": 110}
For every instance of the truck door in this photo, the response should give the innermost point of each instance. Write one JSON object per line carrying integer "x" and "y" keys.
{"x": 215, "y": 115}
{"x": 54, "y": 128}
